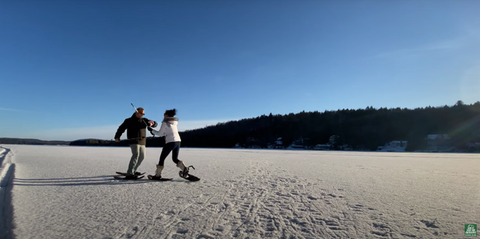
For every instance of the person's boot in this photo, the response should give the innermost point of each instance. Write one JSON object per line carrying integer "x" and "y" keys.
{"x": 158, "y": 172}
{"x": 182, "y": 167}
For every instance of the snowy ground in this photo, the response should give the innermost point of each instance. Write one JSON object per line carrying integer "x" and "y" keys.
{"x": 69, "y": 192}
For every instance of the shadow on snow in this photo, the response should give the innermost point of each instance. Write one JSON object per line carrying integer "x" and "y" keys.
{"x": 83, "y": 181}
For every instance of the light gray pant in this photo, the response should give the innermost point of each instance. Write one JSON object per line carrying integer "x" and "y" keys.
{"x": 138, "y": 154}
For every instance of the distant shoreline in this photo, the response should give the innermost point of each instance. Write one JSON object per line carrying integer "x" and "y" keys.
{"x": 269, "y": 149}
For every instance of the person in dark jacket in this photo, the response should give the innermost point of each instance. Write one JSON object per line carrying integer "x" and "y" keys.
{"x": 137, "y": 139}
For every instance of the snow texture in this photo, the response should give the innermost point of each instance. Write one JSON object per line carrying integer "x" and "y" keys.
{"x": 69, "y": 192}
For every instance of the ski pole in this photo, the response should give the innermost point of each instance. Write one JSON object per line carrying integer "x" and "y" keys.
{"x": 135, "y": 108}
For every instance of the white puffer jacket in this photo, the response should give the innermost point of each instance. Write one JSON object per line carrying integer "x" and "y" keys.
{"x": 169, "y": 130}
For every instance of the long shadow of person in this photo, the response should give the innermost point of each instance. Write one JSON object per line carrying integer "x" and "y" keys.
{"x": 74, "y": 181}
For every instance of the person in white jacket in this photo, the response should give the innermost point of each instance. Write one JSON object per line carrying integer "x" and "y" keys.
{"x": 172, "y": 141}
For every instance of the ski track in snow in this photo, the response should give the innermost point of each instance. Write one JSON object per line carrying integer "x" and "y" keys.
{"x": 6, "y": 172}
{"x": 68, "y": 192}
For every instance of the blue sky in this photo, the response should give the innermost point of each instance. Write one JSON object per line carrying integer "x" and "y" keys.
{"x": 70, "y": 69}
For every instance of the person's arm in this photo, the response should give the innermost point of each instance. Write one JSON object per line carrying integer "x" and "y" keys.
{"x": 155, "y": 132}
{"x": 120, "y": 130}
{"x": 163, "y": 129}
{"x": 150, "y": 123}
{"x": 160, "y": 132}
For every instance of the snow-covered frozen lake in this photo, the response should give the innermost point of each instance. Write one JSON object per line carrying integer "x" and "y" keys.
{"x": 69, "y": 192}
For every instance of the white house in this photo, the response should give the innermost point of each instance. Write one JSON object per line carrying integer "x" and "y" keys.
{"x": 394, "y": 146}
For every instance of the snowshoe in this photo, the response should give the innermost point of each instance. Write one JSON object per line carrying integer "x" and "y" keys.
{"x": 128, "y": 177}
{"x": 186, "y": 175}
{"x": 153, "y": 177}
{"x": 126, "y": 174}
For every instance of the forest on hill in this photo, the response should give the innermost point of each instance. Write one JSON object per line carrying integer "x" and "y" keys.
{"x": 359, "y": 129}
{"x": 32, "y": 141}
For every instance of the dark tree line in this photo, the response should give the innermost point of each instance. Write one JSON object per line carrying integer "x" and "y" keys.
{"x": 364, "y": 129}
{"x": 32, "y": 141}
{"x": 361, "y": 129}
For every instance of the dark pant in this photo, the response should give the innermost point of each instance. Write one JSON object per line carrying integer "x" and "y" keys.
{"x": 167, "y": 148}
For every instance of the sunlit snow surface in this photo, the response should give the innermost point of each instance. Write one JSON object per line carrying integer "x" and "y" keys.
{"x": 69, "y": 192}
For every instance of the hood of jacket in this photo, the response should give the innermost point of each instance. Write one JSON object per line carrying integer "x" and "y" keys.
{"x": 170, "y": 120}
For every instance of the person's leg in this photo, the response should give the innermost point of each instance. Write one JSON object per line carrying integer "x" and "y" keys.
{"x": 167, "y": 148}
{"x": 175, "y": 152}
{"x": 141, "y": 156}
{"x": 133, "y": 159}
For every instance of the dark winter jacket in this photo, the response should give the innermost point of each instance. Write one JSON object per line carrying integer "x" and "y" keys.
{"x": 136, "y": 132}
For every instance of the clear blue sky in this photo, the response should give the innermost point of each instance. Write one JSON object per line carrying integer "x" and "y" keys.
{"x": 70, "y": 69}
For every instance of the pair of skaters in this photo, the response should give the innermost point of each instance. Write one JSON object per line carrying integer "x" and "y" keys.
{"x": 136, "y": 133}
